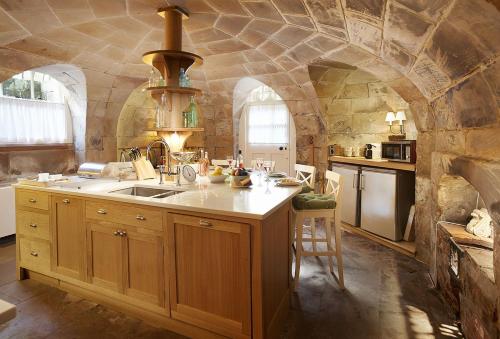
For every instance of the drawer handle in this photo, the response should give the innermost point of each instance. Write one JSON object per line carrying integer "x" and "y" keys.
{"x": 66, "y": 201}
{"x": 33, "y": 225}
{"x": 123, "y": 234}
{"x": 33, "y": 253}
{"x": 32, "y": 200}
{"x": 140, "y": 217}
{"x": 116, "y": 233}
{"x": 205, "y": 223}
{"x": 102, "y": 211}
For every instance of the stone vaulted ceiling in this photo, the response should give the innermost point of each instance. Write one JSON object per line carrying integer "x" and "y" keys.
{"x": 434, "y": 43}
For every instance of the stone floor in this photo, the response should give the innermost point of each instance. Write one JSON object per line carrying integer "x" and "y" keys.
{"x": 388, "y": 295}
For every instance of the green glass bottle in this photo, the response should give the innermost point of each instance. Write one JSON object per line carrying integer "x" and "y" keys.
{"x": 193, "y": 112}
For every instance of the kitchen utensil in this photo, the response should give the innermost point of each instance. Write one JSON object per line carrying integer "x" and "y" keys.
{"x": 91, "y": 170}
{"x": 188, "y": 173}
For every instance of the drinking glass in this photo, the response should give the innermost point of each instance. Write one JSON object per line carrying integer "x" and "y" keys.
{"x": 267, "y": 166}
{"x": 258, "y": 163}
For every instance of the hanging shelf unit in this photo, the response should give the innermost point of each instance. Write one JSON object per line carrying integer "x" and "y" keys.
{"x": 168, "y": 62}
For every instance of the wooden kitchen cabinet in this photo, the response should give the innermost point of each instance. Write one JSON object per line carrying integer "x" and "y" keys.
{"x": 68, "y": 236}
{"x": 126, "y": 260}
{"x": 105, "y": 257}
{"x": 209, "y": 270}
{"x": 143, "y": 266}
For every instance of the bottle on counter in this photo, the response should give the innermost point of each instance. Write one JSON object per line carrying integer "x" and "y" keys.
{"x": 239, "y": 160}
{"x": 204, "y": 165}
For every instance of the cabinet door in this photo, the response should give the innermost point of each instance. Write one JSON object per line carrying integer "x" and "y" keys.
{"x": 143, "y": 263}
{"x": 209, "y": 263}
{"x": 378, "y": 203}
{"x": 105, "y": 259}
{"x": 68, "y": 236}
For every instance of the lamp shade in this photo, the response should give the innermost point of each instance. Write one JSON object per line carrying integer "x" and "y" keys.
{"x": 401, "y": 116}
{"x": 390, "y": 117}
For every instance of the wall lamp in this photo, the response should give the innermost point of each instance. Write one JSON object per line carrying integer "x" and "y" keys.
{"x": 399, "y": 116}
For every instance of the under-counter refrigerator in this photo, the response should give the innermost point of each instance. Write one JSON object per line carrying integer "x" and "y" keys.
{"x": 386, "y": 199}
{"x": 350, "y": 194}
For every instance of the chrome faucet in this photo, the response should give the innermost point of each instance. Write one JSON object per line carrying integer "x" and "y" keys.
{"x": 167, "y": 152}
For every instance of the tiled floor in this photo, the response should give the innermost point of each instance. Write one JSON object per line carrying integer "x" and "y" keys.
{"x": 388, "y": 296}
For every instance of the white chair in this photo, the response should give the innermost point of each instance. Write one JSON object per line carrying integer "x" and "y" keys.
{"x": 221, "y": 163}
{"x": 253, "y": 165}
{"x": 305, "y": 174}
{"x": 332, "y": 216}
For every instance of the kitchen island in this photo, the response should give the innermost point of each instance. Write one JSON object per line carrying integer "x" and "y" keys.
{"x": 204, "y": 260}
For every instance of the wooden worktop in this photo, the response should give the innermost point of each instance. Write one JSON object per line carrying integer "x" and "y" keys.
{"x": 373, "y": 163}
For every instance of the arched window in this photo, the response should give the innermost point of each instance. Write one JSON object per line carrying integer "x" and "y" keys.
{"x": 267, "y": 117}
{"x": 33, "y": 110}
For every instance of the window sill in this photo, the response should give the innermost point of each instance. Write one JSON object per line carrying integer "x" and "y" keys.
{"x": 33, "y": 147}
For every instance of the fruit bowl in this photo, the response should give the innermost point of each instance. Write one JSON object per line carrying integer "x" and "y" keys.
{"x": 214, "y": 179}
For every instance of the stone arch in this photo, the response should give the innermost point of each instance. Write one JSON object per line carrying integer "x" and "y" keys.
{"x": 240, "y": 93}
{"x": 75, "y": 82}
{"x": 136, "y": 117}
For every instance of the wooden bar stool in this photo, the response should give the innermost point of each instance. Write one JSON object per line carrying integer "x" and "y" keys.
{"x": 307, "y": 176}
{"x": 327, "y": 206}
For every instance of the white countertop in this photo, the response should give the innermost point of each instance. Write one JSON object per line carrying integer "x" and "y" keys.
{"x": 256, "y": 202}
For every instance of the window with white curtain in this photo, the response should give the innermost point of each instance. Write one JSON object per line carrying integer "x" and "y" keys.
{"x": 267, "y": 117}
{"x": 33, "y": 110}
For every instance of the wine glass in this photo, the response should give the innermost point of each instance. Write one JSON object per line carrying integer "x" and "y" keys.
{"x": 267, "y": 166}
{"x": 229, "y": 159}
{"x": 258, "y": 163}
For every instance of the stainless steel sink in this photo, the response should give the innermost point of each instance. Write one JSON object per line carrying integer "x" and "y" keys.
{"x": 146, "y": 192}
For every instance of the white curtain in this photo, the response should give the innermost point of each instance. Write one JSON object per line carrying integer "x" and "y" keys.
{"x": 25, "y": 121}
{"x": 267, "y": 123}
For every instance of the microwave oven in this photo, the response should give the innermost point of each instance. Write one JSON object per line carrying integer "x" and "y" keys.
{"x": 401, "y": 150}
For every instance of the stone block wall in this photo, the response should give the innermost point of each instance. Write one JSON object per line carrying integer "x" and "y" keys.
{"x": 355, "y": 104}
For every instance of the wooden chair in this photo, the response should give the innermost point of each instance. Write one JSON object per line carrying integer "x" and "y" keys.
{"x": 221, "y": 163}
{"x": 332, "y": 216}
{"x": 305, "y": 174}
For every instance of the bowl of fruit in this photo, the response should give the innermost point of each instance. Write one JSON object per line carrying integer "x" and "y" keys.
{"x": 217, "y": 176}
{"x": 240, "y": 178}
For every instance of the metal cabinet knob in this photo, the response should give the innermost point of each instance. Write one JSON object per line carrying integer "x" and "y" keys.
{"x": 140, "y": 217}
{"x": 32, "y": 200}
{"x": 116, "y": 233}
{"x": 123, "y": 234}
{"x": 205, "y": 223}
{"x": 102, "y": 211}
{"x": 33, "y": 253}
{"x": 66, "y": 201}
{"x": 33, "y": 225}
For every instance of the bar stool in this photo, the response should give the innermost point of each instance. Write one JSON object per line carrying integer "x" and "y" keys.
{"x": 327, "y": 206}
{"x": 305, "y": 174}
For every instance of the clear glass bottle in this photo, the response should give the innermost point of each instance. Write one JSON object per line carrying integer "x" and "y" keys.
{"x": 152, "y": 78}
{"x": 164, "y": 111}
{"x": 159, "y": 122}
{"x": 182, "y": 78}
{"x": 193, "y": 113}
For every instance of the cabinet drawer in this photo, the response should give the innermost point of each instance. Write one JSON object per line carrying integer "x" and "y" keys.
{"x": 220, "y": 225}
{"x": 33, "y": 199}
{"x": 124, "y": 214}
{"x": 34, "y": 254}
{"x": 33, "y": 224}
